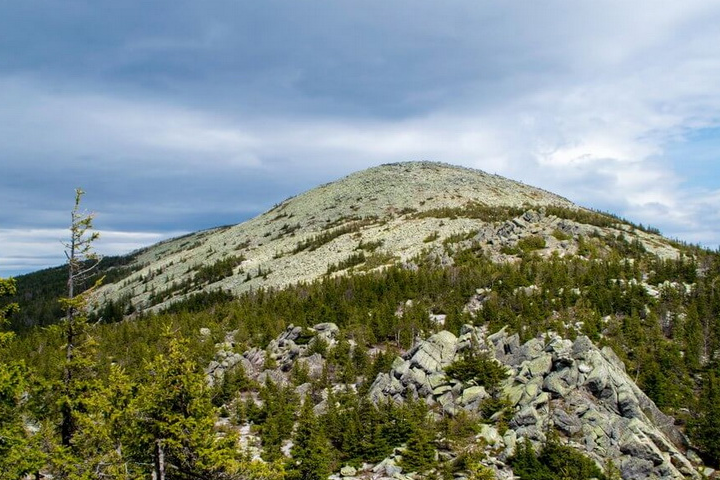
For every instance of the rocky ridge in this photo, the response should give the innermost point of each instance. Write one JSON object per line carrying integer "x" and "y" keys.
{"x": 571, "y": 387}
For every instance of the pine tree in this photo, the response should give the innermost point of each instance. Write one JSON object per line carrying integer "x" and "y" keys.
{"x": 103, "y": 430}
{"x": 19, "y": 453}
{"x": 705, "y": 427}
{"x": 419, "y": 454}
{"x": 174, "y": 419}
{"x": 311, "y": 449}
{"x": 82, "y": 261}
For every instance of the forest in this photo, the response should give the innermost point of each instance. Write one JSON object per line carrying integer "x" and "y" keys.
{"x": 131, "y": 400}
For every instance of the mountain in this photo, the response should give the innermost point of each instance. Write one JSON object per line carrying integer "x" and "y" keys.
{"x": 380, "y": 216}
{"x": 413, "y": 320}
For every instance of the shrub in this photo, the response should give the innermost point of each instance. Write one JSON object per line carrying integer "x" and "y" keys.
{"x": 529, "y": 244}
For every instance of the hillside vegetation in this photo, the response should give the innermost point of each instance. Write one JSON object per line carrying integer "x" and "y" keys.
{"x": 216, "y": 375}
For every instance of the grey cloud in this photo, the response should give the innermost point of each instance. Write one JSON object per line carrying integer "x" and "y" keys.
{"x": 179, "y": 115}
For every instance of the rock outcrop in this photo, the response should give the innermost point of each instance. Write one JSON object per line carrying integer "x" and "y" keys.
{"x": 277, "y": 360}
{"x": 572, "y": 387}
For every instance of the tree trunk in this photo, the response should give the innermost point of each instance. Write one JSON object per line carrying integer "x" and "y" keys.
{"x": 159, "y": 473}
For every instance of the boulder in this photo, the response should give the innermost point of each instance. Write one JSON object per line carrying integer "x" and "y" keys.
{"x": 472, "y": 395}
{"x": 597, "y": 379}
{"x": 436, "y": 352}
{"x": 348, "y": 471}
{"x": 555, "y": 384}
{"x": 539, "y": 366}
{"x": 526, "y": 416}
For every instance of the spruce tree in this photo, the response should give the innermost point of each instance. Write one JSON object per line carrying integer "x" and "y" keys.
{"x": 103, "y": 431}
{"x": 174, "y": 420}
{"x": 81, "y": 261}
{"x": 311, "y": 449}
{"x": 705, "y": 427}
{"x": 419, "y": 454}
{"x": 19, "y": 452}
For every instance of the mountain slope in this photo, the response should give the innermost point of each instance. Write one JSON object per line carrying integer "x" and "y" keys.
{"x": 380, "y": 216}
{"x": 406, "y": 270}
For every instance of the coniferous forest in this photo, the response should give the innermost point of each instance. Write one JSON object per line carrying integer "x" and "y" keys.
{"x": 118, "y": 394}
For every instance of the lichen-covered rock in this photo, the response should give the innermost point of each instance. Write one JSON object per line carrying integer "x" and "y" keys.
{"x": 573, "y": 387}
{"x": 435, "y": 353}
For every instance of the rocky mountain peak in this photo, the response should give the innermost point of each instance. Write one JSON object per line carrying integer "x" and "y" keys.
{"x": 381, "y": 216}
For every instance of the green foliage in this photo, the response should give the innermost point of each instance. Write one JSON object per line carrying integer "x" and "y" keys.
{"x": 19, "y": 451}
{"x": 555, "y": 462}
{"x": 419, "y": 453}
{"x": 477, "y": 367}
{"x": 370, "y": 246}
{"x": 235, "y": 380}
{"x": 317, "y": 241}
{"x": 218, "y": 270}
{"x": 276, "y": 417}
{"x": 377, "y": 259}
{"x": 531, "y": 243}
{"x": 311, "y": 449}
{"x": 560, "y": 235}
{"x": 705, "y": 427}
{"x": 474, "y": 210}
{"x": 174, "y": 418}
{"x": 351, "y": 261}
{"x": 432, "y": 237}
{"x": 666, "y": 342}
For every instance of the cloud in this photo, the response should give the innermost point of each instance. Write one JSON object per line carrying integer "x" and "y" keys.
{"x": 39, "y": 248}
{"x": 191, "y": 116}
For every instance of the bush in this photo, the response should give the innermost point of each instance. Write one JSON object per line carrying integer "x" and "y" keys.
{"x": 529, "y": 244}
{"x": 555, "y": 462}
{"x": 479, "y": 368}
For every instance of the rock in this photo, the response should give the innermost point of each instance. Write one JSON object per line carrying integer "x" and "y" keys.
{"x": 597, "y": 379}
{"x": 326, "y": 327}
{"x": 436, "y": 352}
{"x": 628, "y": 404}
{"x": 205, "y": 332}
{"x": 568, "y": 424}
{"x": 348, "y": 471}
{"x": 510, "y": 440}
{"x": 388, "y": 467}
{"x": 540, "y": 366}
{"x": 631, "y": 445}
{"x": 437, "y": 391}
{"x": 315, "y": 364}
{"x": 515, "y": 393}
{"x": 693, "y": 456}
{"x": 635, "y": 468}
{"x": 446, "y": 399}
{"x": 614, "y": 360}
{"x": 582, "y": 392}
{"x": 490, "y": 435}
{"x": 581, "y": 346}
{"x": 555, "y": 384}
{"x": 436, "y": 379}
{"x": 472, "y": 395}
{"x": 526, "y": 416}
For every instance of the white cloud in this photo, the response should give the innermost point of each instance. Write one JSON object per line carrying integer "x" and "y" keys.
{"x": 583, "y": 100}
{"x": 27, "y": 249}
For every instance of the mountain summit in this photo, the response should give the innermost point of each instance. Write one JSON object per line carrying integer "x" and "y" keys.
{"x": 380, "y": 216}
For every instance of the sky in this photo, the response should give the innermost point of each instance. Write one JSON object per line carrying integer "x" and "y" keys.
{"x": 177, "y": 115}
